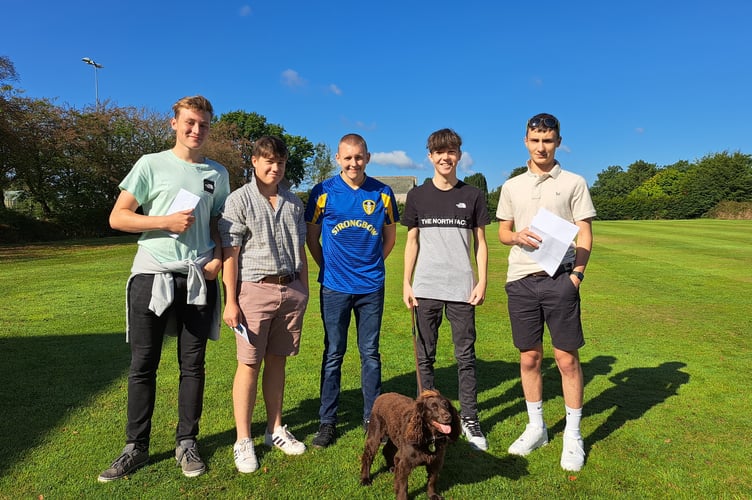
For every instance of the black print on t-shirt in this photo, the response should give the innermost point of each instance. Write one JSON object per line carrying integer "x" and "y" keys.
{"x": 209, "y": 186}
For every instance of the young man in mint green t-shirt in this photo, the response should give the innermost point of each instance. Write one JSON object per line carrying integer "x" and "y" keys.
{"x": 173, "y": 283}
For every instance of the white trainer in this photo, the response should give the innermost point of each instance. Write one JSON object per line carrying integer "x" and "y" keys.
{"x": 284, "y": 440}
{"x": 572, "y": 454}
{"x": 245, "y": 456}
{"x": 534, "y": 437}
{"x": 471, "y": 430}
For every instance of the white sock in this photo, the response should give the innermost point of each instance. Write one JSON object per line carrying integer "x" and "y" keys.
{"x": 572, "y": 429}
{"x": 535, "y": 413}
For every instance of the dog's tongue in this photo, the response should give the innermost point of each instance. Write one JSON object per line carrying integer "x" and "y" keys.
{"x": 443, "y": 428}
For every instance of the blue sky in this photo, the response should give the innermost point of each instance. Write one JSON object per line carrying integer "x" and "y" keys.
{"x": 659, "y": 81}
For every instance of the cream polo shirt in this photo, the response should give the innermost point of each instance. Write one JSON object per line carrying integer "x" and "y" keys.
{"x": 559, "y": 191}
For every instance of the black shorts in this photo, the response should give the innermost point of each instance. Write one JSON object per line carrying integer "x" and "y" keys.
{"x": 537, "y": 300}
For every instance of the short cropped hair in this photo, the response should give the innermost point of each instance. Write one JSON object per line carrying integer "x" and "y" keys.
{"x": 195, "y": 103}
{"x": 445, "y": 138}
{"x": 354, "y": 140}
{"x": 269, "y": 146}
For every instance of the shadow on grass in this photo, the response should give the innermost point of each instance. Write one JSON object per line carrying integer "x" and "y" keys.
{"x": 462, "y": 466}
{"x": 350, "y": 412}
{"x": 512, "y": 401}
{"x": 45, "y": 377}
{"x": 635, "y": 391}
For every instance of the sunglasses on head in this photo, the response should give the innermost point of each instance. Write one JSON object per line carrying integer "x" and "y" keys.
{"x": 543, "y": 122}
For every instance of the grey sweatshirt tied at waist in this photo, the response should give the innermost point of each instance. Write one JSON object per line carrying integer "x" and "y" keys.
{"x": 163, "y": 290}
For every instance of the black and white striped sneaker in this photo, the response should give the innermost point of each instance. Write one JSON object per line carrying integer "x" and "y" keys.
{"x": 284, "y": 440}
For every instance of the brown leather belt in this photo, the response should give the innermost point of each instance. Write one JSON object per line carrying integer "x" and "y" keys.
{"x": 539, "y": 273}
{"x": 279, "y": 279}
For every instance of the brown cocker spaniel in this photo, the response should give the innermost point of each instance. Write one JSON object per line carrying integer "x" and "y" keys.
{"x": 418, "y": 433}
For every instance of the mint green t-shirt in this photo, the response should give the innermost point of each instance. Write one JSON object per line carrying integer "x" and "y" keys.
{"x": 155, "y": 181}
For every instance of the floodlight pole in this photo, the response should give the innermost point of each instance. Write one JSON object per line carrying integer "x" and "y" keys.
{"x": 96, "y": 66}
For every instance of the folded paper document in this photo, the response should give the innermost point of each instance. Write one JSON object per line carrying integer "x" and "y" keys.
{"x": 557, "y": 235}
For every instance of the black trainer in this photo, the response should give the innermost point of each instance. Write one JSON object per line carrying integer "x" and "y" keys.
{"x": 325, "y": 437}
{"x": 129, "y": 461}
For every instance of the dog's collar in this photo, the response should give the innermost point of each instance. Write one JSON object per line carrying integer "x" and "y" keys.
{"x": 434, "y": 440}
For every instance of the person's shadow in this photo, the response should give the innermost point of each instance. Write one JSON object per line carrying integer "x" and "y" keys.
{"x": 463, "y": 465}
{"x": 635, "y": 391}
{"x": 37, "y": 396}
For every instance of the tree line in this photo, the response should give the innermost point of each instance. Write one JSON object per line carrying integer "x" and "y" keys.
{"x": 60, "y": 167}
{"x": 718, "y": 185}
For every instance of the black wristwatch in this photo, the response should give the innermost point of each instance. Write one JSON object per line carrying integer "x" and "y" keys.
{"x": 580, "y": 276}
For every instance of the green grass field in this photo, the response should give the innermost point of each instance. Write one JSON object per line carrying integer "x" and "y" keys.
{"x": 666, "y": 309}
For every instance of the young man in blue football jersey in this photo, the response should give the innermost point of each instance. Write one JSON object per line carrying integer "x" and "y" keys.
{"x": 351, "y": 231}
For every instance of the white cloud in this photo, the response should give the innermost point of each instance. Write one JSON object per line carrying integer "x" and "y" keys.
{"x": 291, "y": 78}
{"x": 565, "y": 148}
{"x": 466, "y": 162}
{"x": 397, "y": 159}
{"x": 334, "y": 89}
{"x": 640, "y": 130}
{"x": 245, "y": 10}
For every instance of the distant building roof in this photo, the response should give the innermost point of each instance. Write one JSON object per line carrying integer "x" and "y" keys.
{"x": 400, "y": 184}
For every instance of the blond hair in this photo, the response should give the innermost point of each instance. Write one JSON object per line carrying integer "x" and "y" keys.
{"x": 195, "y": 103}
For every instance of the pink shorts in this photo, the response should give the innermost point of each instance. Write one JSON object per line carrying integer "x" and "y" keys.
{"x": 274, "y": 318}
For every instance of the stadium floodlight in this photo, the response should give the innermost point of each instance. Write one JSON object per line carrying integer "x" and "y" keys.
{"x": 96, "y": 66}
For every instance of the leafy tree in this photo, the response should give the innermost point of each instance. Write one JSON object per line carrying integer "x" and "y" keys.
{"x": 10, "y": 105}
{"x": 613, "y": 186}
{"x": 638, "y": 172}
{"x": 322, "y": 165}
{"x": 251, "y": 126}
{"x": 478, "y": 180}
{"x": 301, "y": 151}
{"x": 7, "y": 70}
{"x": 611, "y": 183}
{"x": 715, "y": 178}
{"x": 493, "y": 201}
{"x": 105, "y": 144}
{"x": 229, "y": 148}
{"x": 69, "y": 162}
{"x": 517, "y": 171}
{"x": 37, "y": 162}
{"x": 664, "y": 183}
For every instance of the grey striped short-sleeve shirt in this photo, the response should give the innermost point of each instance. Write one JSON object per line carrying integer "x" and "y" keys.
{"x": 271, "y": 240}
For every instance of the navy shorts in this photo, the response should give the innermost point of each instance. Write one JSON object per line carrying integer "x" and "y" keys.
{"x": 537, "y": 300}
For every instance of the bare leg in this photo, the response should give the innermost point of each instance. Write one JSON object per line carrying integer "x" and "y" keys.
{"x": 273, "y": 388}
{"x": 244, "y": 398}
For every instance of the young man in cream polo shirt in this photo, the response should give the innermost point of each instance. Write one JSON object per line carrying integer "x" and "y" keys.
{"x": 534, "y": 297}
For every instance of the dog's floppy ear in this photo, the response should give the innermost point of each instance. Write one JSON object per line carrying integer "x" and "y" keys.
{"x": 414, "y": 427}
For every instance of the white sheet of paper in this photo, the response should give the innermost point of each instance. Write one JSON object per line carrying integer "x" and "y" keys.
{"x": 241, "y": 330}
{"x": 183, "y": 201}
{"x": 557, "y": 235}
